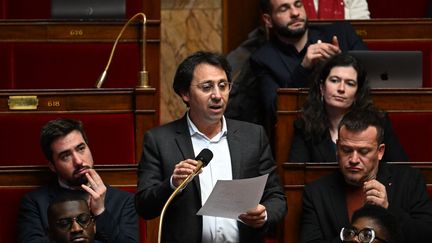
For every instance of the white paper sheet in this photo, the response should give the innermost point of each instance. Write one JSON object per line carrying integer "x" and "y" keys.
{"x": 231, "y": 198}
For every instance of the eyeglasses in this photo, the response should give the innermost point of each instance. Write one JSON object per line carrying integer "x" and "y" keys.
{"x": 209, "y": 86}
{"x": 366, "y": 235}
{"x": 83, "y": 219}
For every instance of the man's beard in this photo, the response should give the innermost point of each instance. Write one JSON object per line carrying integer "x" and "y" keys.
{"x": 284, "y": 31}
{"x": 81, "y": 179}
{"x": 78, "y": 181}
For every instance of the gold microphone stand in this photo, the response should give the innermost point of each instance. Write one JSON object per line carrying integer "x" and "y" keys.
{"x": 143, "y": 74}
{"x": 180, "y": 187}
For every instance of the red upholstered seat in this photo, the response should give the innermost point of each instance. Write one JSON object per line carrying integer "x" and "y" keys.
{"x": 412, "y": 45}
{"x": 394, "y": 9}
{"x": 9, "y": 206}
{"x": 67, "y": 65}
{"x": 111, "y": 137}
{"x": 414, "y": 130}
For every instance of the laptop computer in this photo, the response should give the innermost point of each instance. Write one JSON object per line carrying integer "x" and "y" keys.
{"x": 392, "y": 69}
{"x": 88, "y": 9}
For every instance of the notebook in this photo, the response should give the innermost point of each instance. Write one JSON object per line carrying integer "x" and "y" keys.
{"x": 88, "y": 9}
{"x": 392, "y": 69}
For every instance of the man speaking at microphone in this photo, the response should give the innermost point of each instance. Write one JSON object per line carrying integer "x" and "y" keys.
{"x": 240, "y": 150}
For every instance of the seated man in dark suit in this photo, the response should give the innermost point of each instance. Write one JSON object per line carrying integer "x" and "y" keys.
{"x": 65, "y": 145}
{"x": 329, "y": 202}
{"x": 288, "y": 59}
{"x": 70, "y": 220}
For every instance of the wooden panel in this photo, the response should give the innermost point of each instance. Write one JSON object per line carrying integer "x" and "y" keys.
{"x": 290, "y": 102}
{"x": 54, "y": 31}
{"x": 237, "y": 24}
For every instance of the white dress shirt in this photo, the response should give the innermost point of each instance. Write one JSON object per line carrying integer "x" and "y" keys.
{"x": 215, "y": 229}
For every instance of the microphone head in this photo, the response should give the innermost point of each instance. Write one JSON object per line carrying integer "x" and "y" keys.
{"x": 205, "y": 156}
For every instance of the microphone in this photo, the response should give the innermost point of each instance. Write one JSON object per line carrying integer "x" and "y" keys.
{"x": 203, "y": 158}
{"x": 143, "y": 74}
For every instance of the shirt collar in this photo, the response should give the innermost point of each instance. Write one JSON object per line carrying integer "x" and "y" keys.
{"x": 194, "y": 130}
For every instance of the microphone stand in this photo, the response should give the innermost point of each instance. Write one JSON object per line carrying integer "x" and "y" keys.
{"x": 143, "y": 74}
{"x": 180, "y": 187}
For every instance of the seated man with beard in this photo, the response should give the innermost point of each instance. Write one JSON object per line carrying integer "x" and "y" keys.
{"x": 295, "y": 49}
{"x": 65, "y": 145}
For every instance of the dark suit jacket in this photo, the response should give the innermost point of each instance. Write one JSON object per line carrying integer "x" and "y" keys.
{"x": 118, "y": 223}
{"x": 325, "y": 211}
{"x": 278, "y": 65}
{"x": 169, "y": 144}
{"x": 325, "y": 151}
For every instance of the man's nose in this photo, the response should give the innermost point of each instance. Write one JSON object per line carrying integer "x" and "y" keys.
{"x": 295, "y": 12}
{"x": 75, "y": 227}
{"x": 216, "y": 92}
{"x": 355, "y": 158}
{"x": 77, "y": 159}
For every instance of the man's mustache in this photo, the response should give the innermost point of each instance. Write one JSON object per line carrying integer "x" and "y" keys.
{"x": 78, "y": 170}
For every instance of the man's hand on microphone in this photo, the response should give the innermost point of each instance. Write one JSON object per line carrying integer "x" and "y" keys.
{"x": 255, "y": 217}
{"x": 182, "y": 170}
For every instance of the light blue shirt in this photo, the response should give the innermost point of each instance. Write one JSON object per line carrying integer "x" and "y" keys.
{"x": 215, "y": 229}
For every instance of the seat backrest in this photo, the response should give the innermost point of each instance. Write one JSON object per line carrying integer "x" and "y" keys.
{"x": 9, "y": 208}
{"x": 393, "y": 9}
{"x": 111, "y": 137}
{"x": 414, "y": 130}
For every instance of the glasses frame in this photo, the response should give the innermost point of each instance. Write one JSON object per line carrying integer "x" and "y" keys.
{"x": 358, "y": 233}
{"x": 213, "y": 85}
{"x": 74, "y": 219}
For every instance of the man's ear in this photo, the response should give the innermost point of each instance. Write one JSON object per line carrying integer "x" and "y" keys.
{"x": 52, "y": 167}
{"x": 267, "y": 20}
{"x": 185, "y": 97}
{"x": 381, "y": 149}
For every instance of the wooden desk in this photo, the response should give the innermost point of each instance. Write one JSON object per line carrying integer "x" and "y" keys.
{"x": 393, "y": 29}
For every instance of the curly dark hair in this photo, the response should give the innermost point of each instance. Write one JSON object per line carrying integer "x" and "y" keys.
{"x": 383, "y": 218}
{"x": 314, "y": 115}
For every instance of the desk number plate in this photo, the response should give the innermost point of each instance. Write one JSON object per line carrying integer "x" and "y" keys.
{"x": 23, "y": 102}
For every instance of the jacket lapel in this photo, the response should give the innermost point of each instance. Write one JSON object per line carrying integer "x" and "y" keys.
{"x": 235, "y": 144}
{"x": 338, "y": 201}
{"x": 184, "y": 144}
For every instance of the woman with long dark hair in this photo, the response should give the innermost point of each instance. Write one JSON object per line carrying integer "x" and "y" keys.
{"x": 338, "y": 86}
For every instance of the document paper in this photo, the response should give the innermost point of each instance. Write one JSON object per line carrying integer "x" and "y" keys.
{"x": 230, "y": 198}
